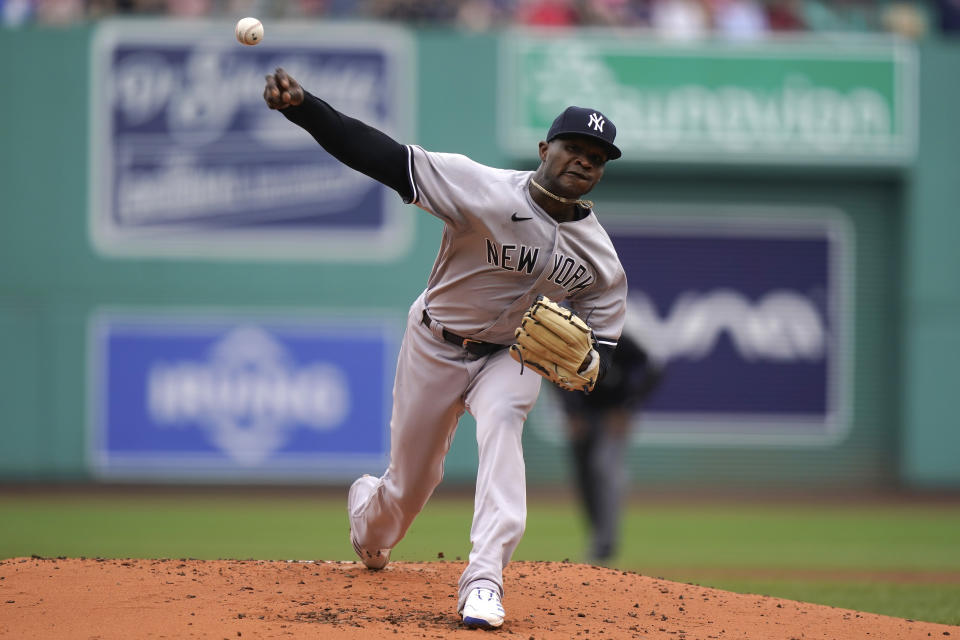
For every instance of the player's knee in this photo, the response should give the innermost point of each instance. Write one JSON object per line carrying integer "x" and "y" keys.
{"x": 499, "y": 422}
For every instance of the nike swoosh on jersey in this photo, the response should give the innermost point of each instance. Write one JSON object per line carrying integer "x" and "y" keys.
{"x": 516, "y": 219}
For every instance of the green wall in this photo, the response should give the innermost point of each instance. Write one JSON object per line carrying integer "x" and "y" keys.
{"x": 931, "y": 296}
{"x": 907, "y": 299}
{"x": 42, "y": 261}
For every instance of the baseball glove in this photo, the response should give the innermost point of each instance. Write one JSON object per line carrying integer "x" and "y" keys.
{"x": 558, "y": 345}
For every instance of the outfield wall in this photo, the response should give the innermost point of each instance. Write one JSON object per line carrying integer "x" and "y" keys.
{"x": 154, "y": 329}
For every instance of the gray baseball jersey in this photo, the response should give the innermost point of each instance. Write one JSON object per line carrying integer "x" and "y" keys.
{"x": 499, "y": 251}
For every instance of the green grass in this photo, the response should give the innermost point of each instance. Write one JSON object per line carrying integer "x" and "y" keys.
{"x": 919, "y": 601}
{"x": 841, "y": 555}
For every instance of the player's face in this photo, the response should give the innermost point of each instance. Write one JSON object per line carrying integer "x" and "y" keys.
{"x": 572, "y": 165}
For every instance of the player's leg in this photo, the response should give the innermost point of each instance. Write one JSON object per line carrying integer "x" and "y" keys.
{"x": 500, "y": 398}
{"x": 427, "y": 402}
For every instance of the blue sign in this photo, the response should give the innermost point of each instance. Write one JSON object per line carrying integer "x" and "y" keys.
{"x": 244, "y": 398}
{"x": 750, "y": 320}
{"x": 189, "y": 161}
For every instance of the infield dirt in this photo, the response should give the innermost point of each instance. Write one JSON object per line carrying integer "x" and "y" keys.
{"x": 100, "y": 599}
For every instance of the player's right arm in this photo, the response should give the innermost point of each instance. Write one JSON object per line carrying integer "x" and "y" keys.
{"x": 352, "y": 142}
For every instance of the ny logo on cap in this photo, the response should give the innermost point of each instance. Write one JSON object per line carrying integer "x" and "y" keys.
{"x": 596, "y": 121}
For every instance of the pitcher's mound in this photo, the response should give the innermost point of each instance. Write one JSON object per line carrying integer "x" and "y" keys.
{"x": 105, "y": 599}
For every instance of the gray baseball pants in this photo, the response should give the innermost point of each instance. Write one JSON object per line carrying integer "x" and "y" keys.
{"x": 436, "y": 382}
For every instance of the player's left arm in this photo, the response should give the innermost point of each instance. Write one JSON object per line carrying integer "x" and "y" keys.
{"x": 643, "y": 374}
{"x": 604, "y": 310}
{"x": 605, "y": 351}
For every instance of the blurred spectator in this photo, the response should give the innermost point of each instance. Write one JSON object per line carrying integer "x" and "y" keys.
{"x": 617, "y": 13}
{"x": 547, "y": 13}
{"x": 99, "y": 8}
{"x": 905, "y": 19}
{"x": 14, "y": 13}
{"x": 785, "y": 15}
{"x": 414, "y": 11}
{"x": 479, "y": 15}
{"x": 189, "y": 8}
{"x": 60, "y": 12}
{"x": 476, "y": 15}
{"x": 680, "y": 19}
{"x": 739, "y": 19}
{"x": 948, "y": 16}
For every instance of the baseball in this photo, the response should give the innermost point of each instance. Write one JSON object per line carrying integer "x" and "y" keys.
{"x": 249, "y": 31}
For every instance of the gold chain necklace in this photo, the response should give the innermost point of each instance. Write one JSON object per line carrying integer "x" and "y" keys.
{"x": 587, "y": 204}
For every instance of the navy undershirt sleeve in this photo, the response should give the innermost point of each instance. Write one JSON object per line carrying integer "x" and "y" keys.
{"x": 606, "y": 356}
{"x": 354, "y": 143}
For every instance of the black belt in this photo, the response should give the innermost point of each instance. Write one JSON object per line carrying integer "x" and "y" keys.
{"x": 476, "y": 347}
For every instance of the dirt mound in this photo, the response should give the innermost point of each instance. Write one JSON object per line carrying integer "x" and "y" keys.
{"x": 104, "y": 599}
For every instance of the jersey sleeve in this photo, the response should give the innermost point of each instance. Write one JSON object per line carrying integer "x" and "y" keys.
{"x": 449, "y": 186}
{"x": 605, "y": 308}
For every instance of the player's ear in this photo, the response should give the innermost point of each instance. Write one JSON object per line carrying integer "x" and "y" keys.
{"x": 543, "y": 150}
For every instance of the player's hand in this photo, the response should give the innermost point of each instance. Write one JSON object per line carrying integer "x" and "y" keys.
{"x": 282, "y": 91}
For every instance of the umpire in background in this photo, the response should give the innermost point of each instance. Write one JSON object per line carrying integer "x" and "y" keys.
{"x": 598, "y": 429}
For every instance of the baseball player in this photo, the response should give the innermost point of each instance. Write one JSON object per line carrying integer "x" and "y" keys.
{"x": 514, "y": 243}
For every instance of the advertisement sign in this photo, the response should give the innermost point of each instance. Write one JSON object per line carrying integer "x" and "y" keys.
{"x": 794, "y": 101}
{"x": 188, "y": 161}
{"x": 749, "y": 319}
{"x": 191, "y": 397}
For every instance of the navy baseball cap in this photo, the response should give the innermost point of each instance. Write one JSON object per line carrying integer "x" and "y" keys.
{"x": 586, "y": 122}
